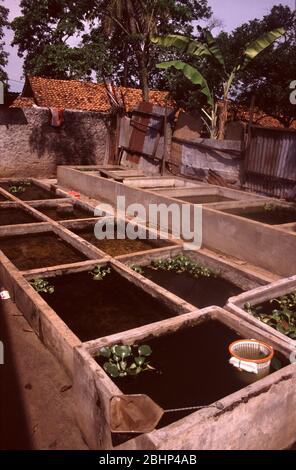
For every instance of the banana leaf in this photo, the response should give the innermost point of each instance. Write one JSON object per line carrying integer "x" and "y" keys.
{"x": 259, "y": 45}
{"x": 213, "y": 47}
{"x": 192, "y": 74}
{"x": 183, "y": 43}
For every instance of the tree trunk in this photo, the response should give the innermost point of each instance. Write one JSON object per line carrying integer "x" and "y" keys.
{"x": 140, "y": 54}
{"x": 143, "y": 73}
{"x": 223, "y": 115}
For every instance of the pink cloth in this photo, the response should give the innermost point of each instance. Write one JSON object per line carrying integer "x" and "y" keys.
{"x": 57, "y": 117}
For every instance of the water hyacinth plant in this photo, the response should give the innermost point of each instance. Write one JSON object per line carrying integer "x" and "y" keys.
{"x": 282, "y": 317}
{"x": 124, "y": 360}
{"x": 42, "y": 286}
{"x": 19, "y": 187}
{"x": 181, "y": 264}
{"x": 100, "y": 272}
{"x": 138, "y": 269}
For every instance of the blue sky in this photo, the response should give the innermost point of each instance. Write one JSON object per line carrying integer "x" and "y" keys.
{"x": 232, "y": 13}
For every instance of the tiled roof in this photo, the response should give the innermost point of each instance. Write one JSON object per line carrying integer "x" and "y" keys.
{"x": 22, "y": 102}
{"x": 259, "y": 118}
{"x": 86, "y": 96}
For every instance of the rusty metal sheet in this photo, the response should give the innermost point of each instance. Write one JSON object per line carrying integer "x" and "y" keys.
{"x": 147, "y": 126}
{"x": 270, "y": 165}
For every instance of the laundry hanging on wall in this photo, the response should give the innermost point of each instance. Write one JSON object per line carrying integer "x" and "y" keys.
{"x": 57, "y": 117}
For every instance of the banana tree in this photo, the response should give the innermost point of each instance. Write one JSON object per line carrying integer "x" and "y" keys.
{"x": 217, "y": 108}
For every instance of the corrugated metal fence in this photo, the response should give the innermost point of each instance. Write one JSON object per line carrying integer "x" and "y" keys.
{"x": 270, "y": 165}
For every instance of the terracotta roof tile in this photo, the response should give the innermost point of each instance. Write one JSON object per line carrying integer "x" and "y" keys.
{"x": 259, "y": 117}
{"x": 86, "y": 96}
{"x": 22, "y": 102}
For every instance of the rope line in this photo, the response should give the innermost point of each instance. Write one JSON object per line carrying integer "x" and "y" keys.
{"x": 190, "y": 408}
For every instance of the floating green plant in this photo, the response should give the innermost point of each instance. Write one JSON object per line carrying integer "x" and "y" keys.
{"x": 123, "y": 360}
{"x": 20, "y": 187}
{"x": 138, "y": 269}
{"x": 100, "y": 272}
{"x": 269, "y": 207}
{"x": 40, "y": 285}
{"x": 181, "y": 264}
{"x": 282, "y": 317}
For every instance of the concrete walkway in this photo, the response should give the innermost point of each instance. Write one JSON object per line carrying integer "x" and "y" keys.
{"x": 36, "y": 402}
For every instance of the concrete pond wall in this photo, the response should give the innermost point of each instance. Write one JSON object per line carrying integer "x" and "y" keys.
{"x": 259, "y": 416}
{"x": 30, "y": 146}
{"x": 268, "y": 247}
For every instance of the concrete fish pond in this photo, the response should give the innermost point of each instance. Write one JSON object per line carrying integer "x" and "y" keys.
{"x": 113, "y": 303}
{"x": 27, "y": 190}
{"x": 189, "y": 280}
{"x": 210, "y": 195}
{"x": 279, "y": 313}
{"x": 273, "y": 307}
{"x": 14, "y": 215}
{"x": 217, "y": 392}
{"x": 249, "y": 242}
{"x": 126, "y": 317}
{"x": 168, "y": 354}
{"x": 204, "y": 199}
{"x": 66, "y": 211}
{"x": 270, "y": 214}
{"x": 123, "y": 246}
{"x": 39, "y": 250}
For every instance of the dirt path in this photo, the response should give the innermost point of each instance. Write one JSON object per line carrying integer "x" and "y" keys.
{"x": 36, "y": 403}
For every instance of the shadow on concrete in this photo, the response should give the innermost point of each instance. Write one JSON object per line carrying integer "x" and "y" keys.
{"x": 14, "y": 428}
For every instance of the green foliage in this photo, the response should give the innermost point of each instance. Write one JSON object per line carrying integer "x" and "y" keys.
{"x": 138, "y": 269}
{"x": 260, "y": 44}
{"x": 40, "y": 285}
{"x": 214, "y": 48}
{"x": 210, "y": 47}
{"x": 112, "y": 36}
{"x": 20, "y": 187}
{"x": 123, "y": 360}
{"x": 100, "y": 272}
{"x": 282, "y": 317}
{"x": 269, "y": 76}
{"x": 181, "y": 264}
{"x": 183, "y": 43}
{"x": 3, "y": 55}
{"x": 192, "y": 74}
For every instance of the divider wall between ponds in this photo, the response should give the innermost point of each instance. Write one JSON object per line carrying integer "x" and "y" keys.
{"x": 268, "y": 247}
